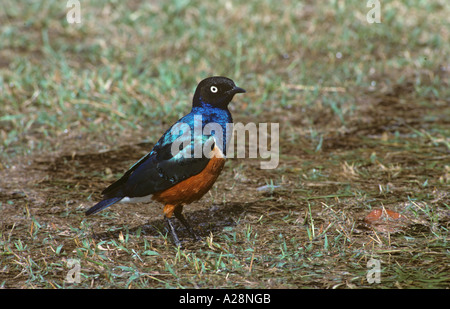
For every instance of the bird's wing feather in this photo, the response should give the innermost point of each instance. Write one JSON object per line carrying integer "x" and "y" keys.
{"x": 114, "y": 188}
{"x": 160, "y": 169}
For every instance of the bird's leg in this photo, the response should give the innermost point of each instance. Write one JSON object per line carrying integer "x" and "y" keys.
{"x": 179, "y": 215}
{"x": 172, "y": 231}
{"x": 168, "y": 212}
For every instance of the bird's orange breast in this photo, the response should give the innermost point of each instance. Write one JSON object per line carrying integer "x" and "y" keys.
{"x": 193, "y": 188}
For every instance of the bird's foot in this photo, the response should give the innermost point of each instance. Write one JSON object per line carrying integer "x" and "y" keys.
{"x": 186, "y": 224}
{"x": 175, "y": 238}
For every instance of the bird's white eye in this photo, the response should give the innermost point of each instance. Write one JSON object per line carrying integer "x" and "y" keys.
{"x": 213, "y": 89}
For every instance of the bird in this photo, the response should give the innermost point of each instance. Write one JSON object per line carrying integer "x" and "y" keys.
{"x": 177, "y": 176}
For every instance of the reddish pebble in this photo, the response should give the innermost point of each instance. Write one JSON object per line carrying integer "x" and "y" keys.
{"x": 377, "y": 214}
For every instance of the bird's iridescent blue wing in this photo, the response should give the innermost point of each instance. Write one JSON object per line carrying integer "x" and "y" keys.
{"x": 173, "y": 159}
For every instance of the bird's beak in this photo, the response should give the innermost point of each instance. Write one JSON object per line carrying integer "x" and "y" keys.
{"x": 237, "y": 90}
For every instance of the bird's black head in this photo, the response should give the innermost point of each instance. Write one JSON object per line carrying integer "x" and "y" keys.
{"x": 216, "y": 91}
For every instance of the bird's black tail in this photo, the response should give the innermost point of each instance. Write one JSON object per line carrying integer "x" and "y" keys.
{"x": 102, "y": 205}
